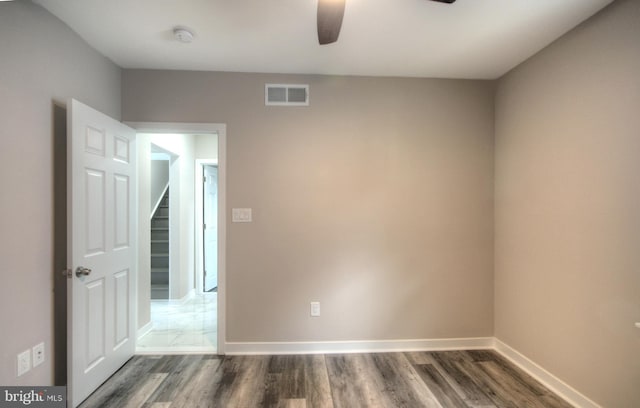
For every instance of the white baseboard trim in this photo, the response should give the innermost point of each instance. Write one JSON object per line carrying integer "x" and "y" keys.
{"x": 370, "y": 346}
{"x": 145, "y": 329}
{"x": 190, "y": 295}
{"x": 164, "y": 351}
{"x": 564, "y": 390}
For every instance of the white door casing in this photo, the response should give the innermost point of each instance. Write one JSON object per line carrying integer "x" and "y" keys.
{"x": 210, "y": 209}
{"x": 101, "y": 233}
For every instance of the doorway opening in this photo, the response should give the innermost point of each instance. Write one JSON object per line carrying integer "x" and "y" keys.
{"x": 180, "y": 316}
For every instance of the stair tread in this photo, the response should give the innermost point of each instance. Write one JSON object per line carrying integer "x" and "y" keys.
{"x": 156, "y": 241}
{"x": 160, "y": 228}
{"x": 160, "y": 254}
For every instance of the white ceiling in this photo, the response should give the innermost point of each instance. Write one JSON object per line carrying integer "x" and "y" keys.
{"x": 413, "y": 38}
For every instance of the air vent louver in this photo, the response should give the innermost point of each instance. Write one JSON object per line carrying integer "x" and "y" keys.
{"x": 286, "y": 95}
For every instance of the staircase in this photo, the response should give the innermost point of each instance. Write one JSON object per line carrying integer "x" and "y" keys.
{"x": 160, "y": 250}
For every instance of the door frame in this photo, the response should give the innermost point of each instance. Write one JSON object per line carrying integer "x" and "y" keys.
{"x": 219, "y": 129}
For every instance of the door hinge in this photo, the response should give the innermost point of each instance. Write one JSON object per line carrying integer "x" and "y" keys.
{"x": 204, "y": 179}
{"x": 204, "y": 226}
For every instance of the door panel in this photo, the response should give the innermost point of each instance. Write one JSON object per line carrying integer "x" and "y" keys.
{"x": 95, "y": 141}
{"x": 101, "y": 217}
{"x": 121, "y": 200}
{"x": 95, "y": 322}
{"x": 95, "y": 218}
{"x": 121, "y": 295}
{"x": 121, "y": 150}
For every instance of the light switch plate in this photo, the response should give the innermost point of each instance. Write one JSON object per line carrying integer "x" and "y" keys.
{"x": 241, "y": 215}
{"x": 315, "y": 309}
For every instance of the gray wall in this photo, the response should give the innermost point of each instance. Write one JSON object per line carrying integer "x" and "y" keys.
{"x": 567, "y": 207}
{"x": 42, "y": 61}
{"x": 376, "y": 200}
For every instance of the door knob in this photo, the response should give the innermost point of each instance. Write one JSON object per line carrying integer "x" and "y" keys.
{"x": 82, "y": 271}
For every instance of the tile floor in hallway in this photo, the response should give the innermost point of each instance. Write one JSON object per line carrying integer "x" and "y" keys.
{"x": 182, "y": 327}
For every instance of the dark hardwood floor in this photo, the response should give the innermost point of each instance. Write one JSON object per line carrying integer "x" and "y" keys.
{"x": 480, "y": 378}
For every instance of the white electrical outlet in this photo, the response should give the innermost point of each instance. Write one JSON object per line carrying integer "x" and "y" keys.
{"x": 24, "y": 362}
{"x": 38, "y": 354}
{"x": 315, "y": 309}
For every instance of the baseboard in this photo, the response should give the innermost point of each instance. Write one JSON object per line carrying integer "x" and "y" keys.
{"x": 173, "y": 351}
{"x": 372, "y": 346}
{"x": 145, "y": 329}
{"x": 190, "y": 295}
{"x": 550, "y": 381}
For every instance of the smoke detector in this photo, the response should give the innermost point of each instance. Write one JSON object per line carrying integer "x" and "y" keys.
{"x": 182, "y": 34}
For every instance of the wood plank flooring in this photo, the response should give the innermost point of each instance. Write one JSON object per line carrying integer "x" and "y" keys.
{"x": 475, "y": 378}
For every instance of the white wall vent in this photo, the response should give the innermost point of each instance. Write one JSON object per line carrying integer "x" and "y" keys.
{"x": 286, "y": 95}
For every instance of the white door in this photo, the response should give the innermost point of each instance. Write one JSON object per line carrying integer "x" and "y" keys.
{"x": 101, "y": 217}
{"x": 210, "y": 240}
